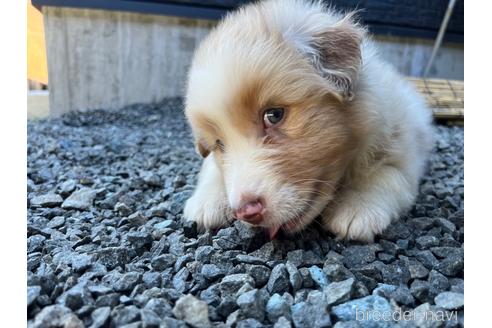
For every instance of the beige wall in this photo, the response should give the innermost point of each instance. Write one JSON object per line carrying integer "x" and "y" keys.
{"x": 410, "y": 56}
{"x": 106, "y": 59}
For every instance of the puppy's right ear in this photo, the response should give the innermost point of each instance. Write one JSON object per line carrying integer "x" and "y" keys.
{"x": 336, "y": 55}
{"x": 201, "y": 148}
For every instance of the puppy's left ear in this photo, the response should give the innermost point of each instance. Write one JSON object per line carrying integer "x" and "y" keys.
{"x": 337, "y": 56}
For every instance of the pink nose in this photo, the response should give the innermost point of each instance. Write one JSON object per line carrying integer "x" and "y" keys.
{"x": 250, "y": 211}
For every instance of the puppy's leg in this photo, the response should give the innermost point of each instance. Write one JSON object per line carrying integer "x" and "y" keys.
{"x": 208, "y": 205}
{"x": 367, "y": 207}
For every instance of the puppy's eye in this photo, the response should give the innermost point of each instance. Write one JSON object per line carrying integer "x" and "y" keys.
{"x": 219, "y": 145}
{"x": 273, "y": 116}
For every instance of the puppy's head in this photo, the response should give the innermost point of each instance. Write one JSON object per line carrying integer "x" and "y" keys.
{"x": 269, "y": 93}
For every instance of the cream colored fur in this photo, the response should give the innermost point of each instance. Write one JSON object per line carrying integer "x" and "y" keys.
{"x": 276, "y": 41}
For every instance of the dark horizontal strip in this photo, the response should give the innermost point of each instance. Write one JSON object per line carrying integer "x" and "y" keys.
{"x": 391, "y": 30}
{"x": 169, "y": 9}
{"x": 214, "y": 10}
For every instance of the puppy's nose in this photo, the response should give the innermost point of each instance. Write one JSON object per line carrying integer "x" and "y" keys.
{"x": 250, "y": 211}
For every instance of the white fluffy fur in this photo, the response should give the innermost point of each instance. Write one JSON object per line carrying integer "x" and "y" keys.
{"x": 208, "y": 206}
{"x": 375, "y": 192}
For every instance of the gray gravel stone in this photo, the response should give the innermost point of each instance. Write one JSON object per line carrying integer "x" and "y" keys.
{"x": 57, "y": 316}
{"x": 227, "y": 238}
{"x": 81, "y": 262}
{"x": 450, "y": 300}
{"x": 127, "y": 282}
{"x": 303, "y": 258}
{"x": 336, "y": 272}
{"x": 80, "y": 200}
{"x": 266, "y": 252}
{"x": 47, "y": 200}
{"x": 369, "y": 304}
{"x": 122, "y": 209}
{"x": 100, "y": 316}
{"x": 244, "y": 289}
{"x": 67, "y": 187}
{"x": 111, "y": 300}
{"x": 170, "y": 224}
{"x": 252, "y": 304}
{"x": 124, "y": 315}
{"x": 203, "y": 254}
{"x": 396, "y": 231}
{"x": 421, "y": 224}
{"x": 451, "y": 266}
{"x": 423, "y": 291}
{"x": 136, "y": 219}
{"x": 426, "y": 242}
{"x": 180, "y": 280}
{"x": 277, "y": 307}
{"x": 347, "y": 324}
{"x": 139, "y": 239}
{"x": 149, "y": 318}
{"x": 356, "y": 256}
{"x": 260, "y": 273}
{"x": 457, "y": 285}
{"x": 113, "y": 257}
{"x": 307, "y": 280}
{"x": 151, "y": 279}
{"x": 395, "y": 273}
{"x": 250, "y": 259}
{"x": 279, "y": 279}
{"x": 427, "y": 259}
{"x": 399, "y": 294}
{"x": 193, "y": 311}
{"x": 249, "y": 323}
{"x": 318, "y": 276}
{"x": 417, "y": 270}
{"x": 282, "y": 322}
{"x": 35, "y": 243}
{"x": 306, "y": 315}
{"x": 159, "y": 306}
{"x": 338, "y": 292}
{"x": 212, "y": 272}
{"x": 75, "y": 297}
{"x": 295, "y": 278}
{"x": 162, "y": 262}
{"x": 232, "y": 283}
{"x": 32, "y": 294}
{"x": 438, "y": 280}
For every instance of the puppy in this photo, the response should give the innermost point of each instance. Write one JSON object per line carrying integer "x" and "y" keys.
{"x": 296, "y": 117}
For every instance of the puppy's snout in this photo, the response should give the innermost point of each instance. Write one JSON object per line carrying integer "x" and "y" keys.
{"x": 251, "y": 210}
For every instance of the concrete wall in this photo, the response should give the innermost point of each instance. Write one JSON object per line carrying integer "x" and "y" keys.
{"x": 106, "y": 59}
{"x": 410, "y": 56}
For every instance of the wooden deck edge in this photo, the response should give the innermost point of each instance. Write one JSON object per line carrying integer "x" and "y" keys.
{"x": 444, "y": 97}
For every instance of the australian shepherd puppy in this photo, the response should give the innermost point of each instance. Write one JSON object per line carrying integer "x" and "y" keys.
{"x": 296, "y": 117}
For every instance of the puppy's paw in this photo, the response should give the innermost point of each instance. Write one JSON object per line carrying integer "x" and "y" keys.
{"x": 208, "y": 212}
{"x": 352, "y": 220}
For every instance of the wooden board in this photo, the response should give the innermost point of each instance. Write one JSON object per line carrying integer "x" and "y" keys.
{"x": 445, "y": 97}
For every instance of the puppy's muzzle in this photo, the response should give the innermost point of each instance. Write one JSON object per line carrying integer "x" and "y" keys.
{"x": 251, "y": 210}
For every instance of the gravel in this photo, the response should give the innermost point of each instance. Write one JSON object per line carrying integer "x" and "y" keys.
{"x": 192, "y": 310}
{"x": 450, "y": 300}
{"x": 338, "y": 292}
{"x": 107, "y": 247}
